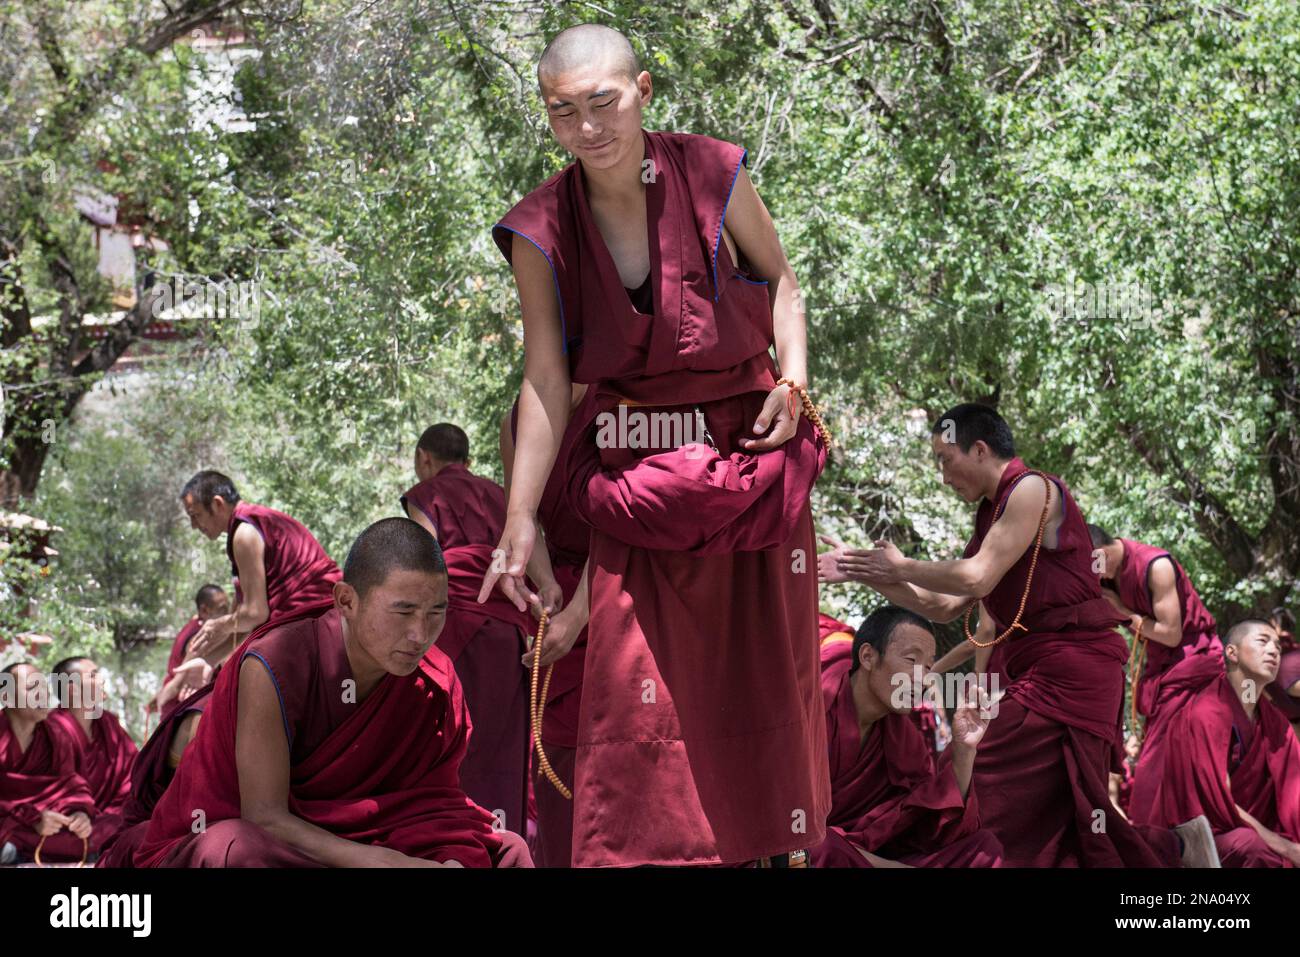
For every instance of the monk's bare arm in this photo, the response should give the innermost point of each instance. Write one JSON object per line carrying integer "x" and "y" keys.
{"x": 928, "y": 604}
{"x": 220, "y": 636}
{"x": 1167, "y": 629}
{"x": 539, "y": 563}
{"x": 543, "y": 413}
{"x": 750, "y": 224}
{"x": 1276, "y": 842}
{"x": 416, "y": 514}
{"x": 984, "y": 635}
{"x": 262, "y": 760}
{"x": 957, "y": 656}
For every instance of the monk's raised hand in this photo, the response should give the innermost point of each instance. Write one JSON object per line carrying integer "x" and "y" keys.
{"x": 776, "y": 416}
{"x": 882, "y": 565}
{"x": 971, "y": 719}
{"x": 51, "y": 823}
{"x": 828, "y": 563}
{"x": 208, "y": 638}
{"x": 509, "y": 561}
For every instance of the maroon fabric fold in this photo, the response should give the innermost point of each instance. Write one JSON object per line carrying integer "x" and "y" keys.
{"x": 45, "y": 777}
{"x": 298, "y": 572}
{"x": 105, "y": 761}
{"x": 404, "y": 794}
{"x": 179, "y": 644}
{"x": 465, "y": 508}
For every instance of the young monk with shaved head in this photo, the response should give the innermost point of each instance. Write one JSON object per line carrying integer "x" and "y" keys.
{"x": 650, "y": 270}
{"x": 1231, "y": 756}
{"x": 335, "y": 739}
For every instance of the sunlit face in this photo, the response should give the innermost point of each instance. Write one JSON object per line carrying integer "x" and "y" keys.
{"x": 83, "y": 688}
{"x": 205, "y": 520}
{"x": 1258, "y": 653}
{"x": 595, "y": 114}
{"x": 396, "y": 622}
{"x": 910, "y": 648}
{"x": 1133, "y": 747}
{"x": 31, "y": 701}
{"x": 959, "y": 469}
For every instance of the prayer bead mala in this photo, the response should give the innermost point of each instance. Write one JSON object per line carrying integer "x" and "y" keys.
{"x": 537, "y": 705}
{"x": 809, "y": 409}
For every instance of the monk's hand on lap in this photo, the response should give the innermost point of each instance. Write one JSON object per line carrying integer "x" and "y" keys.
{"x": 882, "y": 565}
{"x": 194, "y": 674}
{"x": 51, "y": 823}
{"x": 828, "y": 563}
{"x": 510, "y": 560}
{"x": 775, "y": 416}
{"x": 79, "y": 824}
{"x": 561, "y": 633}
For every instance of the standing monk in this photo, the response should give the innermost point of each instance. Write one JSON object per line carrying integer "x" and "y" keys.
{"x": 466, "y": 513}
{"x": 45, "y": 803}
{"x": 107, "y": 752}
{"x": 1232, "y": 756}
{"x": 279, "y": 566}
{"x": 1172, "y": 628}
{"x": 650, "y": 270}
{"x": 1041, "y": 771}
{"x": 335, "y": 738}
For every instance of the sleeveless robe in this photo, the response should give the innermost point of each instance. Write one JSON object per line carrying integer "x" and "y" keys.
{"x": 382, "y": 771}
{"x": 702, "y": 673}
{"x": 298, "y": 572}
{"x": 1041, "y": 769}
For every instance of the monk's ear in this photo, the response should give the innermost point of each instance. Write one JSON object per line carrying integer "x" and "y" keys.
{"x": 867, "y": 657}
{"x": 645, "y": 86}
{"x": 346, "y": 599}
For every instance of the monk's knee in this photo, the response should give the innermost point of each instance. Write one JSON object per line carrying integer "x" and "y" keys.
{"x": 513, "y": 852}
{"x": 239, "y": 843}
{"x": 1243, "y": 847}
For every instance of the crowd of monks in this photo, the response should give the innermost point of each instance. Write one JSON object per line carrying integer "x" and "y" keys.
{"x": 618, "y": 659}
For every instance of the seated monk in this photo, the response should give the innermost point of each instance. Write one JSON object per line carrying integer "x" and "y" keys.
{"x": 106, "y": 750}
{"x": 1232, "y": 756}
{"x": 336, "y": 740}
{"x": 1284, "y": 692}
{"x": 892, "y": 803}
{"x": 44, "y": 801}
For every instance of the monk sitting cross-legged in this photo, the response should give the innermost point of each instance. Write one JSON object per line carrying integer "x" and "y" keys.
{"x": 335, "y": 739}
{"x": 44, "y": 801}
{"x": 891, "y": 803}
{"x": 106, "y": 750}
{"x": 1231, "y": 756}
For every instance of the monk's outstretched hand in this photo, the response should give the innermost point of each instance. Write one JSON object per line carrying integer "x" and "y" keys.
{"x": 828, "y": 563}
{"x": 882, "y": 565}
{"x": 509, "y": 561}
{"x": 777, "y": 416}
{"x": 971, "y": 719}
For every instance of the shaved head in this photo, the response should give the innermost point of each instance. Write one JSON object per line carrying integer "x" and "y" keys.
{"x": 586, "y": 47}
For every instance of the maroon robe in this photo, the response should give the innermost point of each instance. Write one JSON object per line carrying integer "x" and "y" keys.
{"x": 45, "y": 777}
{"x": 179, "y": 644}
{"x": 105, "y": 762}
{"x": 567, "y": 540}
{"x": 702, "y": 675}
{"x": 1212, "y": 740}
{"x": 383, "y": 771}
{"x": 484, "y": 642}
{"x": 150, "y": 776}
{"x": 888, "y": 794}
{"x": 298, "y": 572}
{"x": 1171, "y": 674}
{"x": 465, "y": 508}
{"x": 1042, "y": 769}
